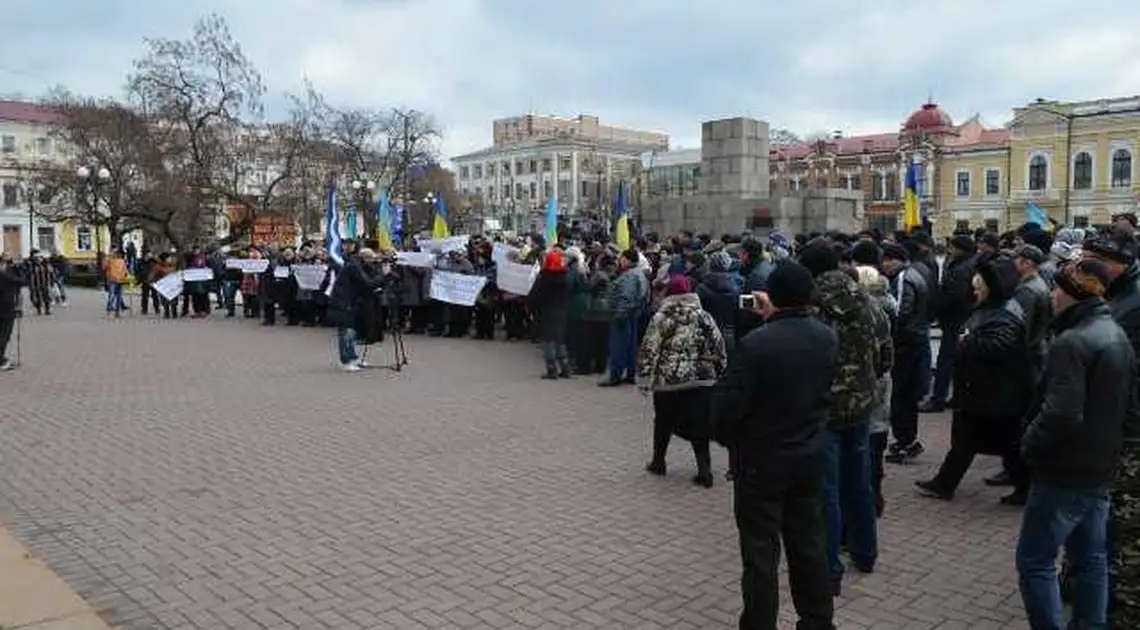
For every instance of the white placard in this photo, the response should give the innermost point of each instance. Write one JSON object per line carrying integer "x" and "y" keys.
{"x": 248, "y": 265}
{"x": 456, "y": 288}
{"x": 281, "y": 273}
{"x": 500, "y": 253}
{"x": 444, "y": 245}
{"x": 197, "y": 274}
{"x": 415, "y": 259}
{"x": 309, "y": 277}
{"x": 515, "y": 278}
{"x": 169, "y": 286}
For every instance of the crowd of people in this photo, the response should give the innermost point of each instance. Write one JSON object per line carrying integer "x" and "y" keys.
{"x": 809, "y": 358}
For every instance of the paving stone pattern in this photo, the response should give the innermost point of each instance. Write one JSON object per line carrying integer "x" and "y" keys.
{"x": 219, "y": 474}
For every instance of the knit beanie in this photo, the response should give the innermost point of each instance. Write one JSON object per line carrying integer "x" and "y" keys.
{"x": 678, "y": 285}
{"x": 790, "y": 285}
{"x": 1083, "y": 279}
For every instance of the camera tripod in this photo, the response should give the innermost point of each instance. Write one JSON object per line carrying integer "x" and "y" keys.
{"x": 399, "y": 353}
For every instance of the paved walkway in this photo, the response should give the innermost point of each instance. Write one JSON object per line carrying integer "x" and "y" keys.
{"x": 218, "y": 474}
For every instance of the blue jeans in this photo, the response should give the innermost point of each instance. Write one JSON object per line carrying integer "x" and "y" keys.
{"x": 229, "y": 293}
{"x": 346, "y": 344}
{"x": 623, "y": 347}
{"x": 1078, "y": 521}
{"x": 849, "y": 499}
{"x": 114, "y": 297}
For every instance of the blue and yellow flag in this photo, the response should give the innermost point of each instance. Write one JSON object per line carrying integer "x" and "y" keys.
{"x": 332, "y": 223}
{"x": 621, "y": 219}
{"x": 1034, "y": 214}
{"x": 383, "y": 222}
{"x": 912, "y": 212}
{"x": 551, "y": 232}
{"x": 439, "y": 224}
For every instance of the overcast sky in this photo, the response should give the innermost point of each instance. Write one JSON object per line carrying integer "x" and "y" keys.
{"x": 665, "y": 65}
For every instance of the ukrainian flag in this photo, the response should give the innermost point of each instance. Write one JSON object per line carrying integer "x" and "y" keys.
{"x": 439, "y": 226}
{"x": 1034, "y": 214}
{"x": 912, "y": 213}
{"x": 621, "y": 219}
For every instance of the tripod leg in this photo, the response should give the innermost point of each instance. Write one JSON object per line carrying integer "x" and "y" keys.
{"x": 18, "y": 341}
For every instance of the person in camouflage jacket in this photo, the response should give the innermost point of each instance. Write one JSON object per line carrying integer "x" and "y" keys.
{"x": 849, "y": 506}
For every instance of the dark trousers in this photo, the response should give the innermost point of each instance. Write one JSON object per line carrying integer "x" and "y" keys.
{"x": 592, "y": 347}
{"x": 878, "y": 452}
{"x": 514, "y": 319}
{"x": 484, "y": 321}
{"x": 458, "y": 320}
{"x": 7, "y": 325}
{"x": 40, "y": 297}
{"x": 944, "y": 367}
{"x": 671, "y": 410}
{"x": 417, "y": 319}
{"x": 906, "y": 393}
{"x": 150, "y": 297}
{"x": 201, "y": 303}
{"x": 269, "y": 311}
{"x": 963, "y": 450}
{"x": 787, "y": 505}
{"x": 170, "y": 308}
{"x": 249, "y": 305}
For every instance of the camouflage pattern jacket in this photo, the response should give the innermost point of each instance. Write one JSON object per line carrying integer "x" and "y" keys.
{"x": 682, "y": 348}
{"x": 849, "y": 309}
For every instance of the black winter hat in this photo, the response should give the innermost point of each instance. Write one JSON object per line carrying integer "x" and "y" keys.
{"x": 819, "y": 257}
{"x": 964, "y": 242}
{"x": 895, "y": 251}
{"x": 867, "y": 253}
{"x": 790, "y": 285}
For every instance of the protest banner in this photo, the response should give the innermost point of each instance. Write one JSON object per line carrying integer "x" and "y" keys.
{"x": 515, "y": 278}
{"x": 415, "y": 259}
{"x": 309, "y": 277}
{"x": 501, "y": 252}
{"x": 248, "y": 265}
{"x": 169, "y": 286}
{"x": 444, "y": 245}
{"x": 456, "y": 288}
{"x": 282, "y": 272}
{"x": 197, "y": 274}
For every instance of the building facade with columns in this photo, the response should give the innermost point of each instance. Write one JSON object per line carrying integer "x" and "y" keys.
{"x": 534, "y": 157}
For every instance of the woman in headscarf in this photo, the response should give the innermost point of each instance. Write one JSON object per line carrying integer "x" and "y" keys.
{"x": 680, "y": 358}
{"x": 993, "y": 380}
{"x": 719, "y": 290}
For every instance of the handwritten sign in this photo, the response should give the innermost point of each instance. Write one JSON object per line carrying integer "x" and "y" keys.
{"x": 456, "y": 288}
{"x": 197, "y": 274}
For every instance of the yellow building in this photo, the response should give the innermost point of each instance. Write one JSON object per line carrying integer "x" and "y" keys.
{"x": 1075, "y": 160}
{"x": 79, "y": 242}
{"x": 974, "y": 185}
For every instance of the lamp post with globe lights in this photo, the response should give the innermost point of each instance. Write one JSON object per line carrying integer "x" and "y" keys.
{"x": 89, "y": 185}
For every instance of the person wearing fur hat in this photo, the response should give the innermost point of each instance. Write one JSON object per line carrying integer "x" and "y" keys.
{"x": 679, "y": 361}
{"x": 910, "y": 333}
{"x": 993, "y": 380}
{"x": 1073, "y": 443}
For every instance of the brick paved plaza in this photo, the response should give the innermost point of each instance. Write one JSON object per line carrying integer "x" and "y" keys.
{"x": 218, "y": 474}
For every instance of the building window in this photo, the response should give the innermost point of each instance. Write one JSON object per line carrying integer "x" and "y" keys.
{"x": 962, "y": 183}
{"x": 843, "y": 181}
{"x": 11, "y": 196}
{"x": 884, "y": 223}
{"x": 533, "y": 167}
{"x": 1080, "y": 222}
{"x": 533, "y": 190}
{"x": 45, "y": 238}
{"x": 855, "y": 183}
{"x": 518, "y": 191}
{"x": 44, "y": 195}
{"x": 479, "y": 192}
{"x": 585, "y": 188}
{"x": 43, "y": 147}
{"x": 491, "y": 192}
{"x": 1121, "y": 169}
{"x": 877, "y": 187}
{"x": 478, "y": 171}
{"x": 992, "y": 225}
{"x": 1082, "y": 171}
{"x": 762, "y": 223}
{"x": 547, "y": 189}
{"x": 519, "y": 167}
{"x": 793, "y": 185}
{"x": 546, "y": 165}
{"x": 463, "y": 172}
{"x": 993, "y": 181}
{"x": 962, "y": 226}
{"x": 564, "y": 163}
{"x": 892, "y": 187}
{"x": 82, "y": 238}
{"x": 821, "y": 183}
{"x": 491, "y": 170}
{"x": 8, "y": 144}
{"x": 1038, "y": 172}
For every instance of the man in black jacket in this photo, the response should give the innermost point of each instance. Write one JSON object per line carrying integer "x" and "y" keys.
{"x": 911, "y": 337}
{"x": 1072, "y": 445}
{"x": 954, "y": 302}
{"x": 10, "y": 284}
{"x": 770, "y": 410}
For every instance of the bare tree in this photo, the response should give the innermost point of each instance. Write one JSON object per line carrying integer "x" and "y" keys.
{"x": 780, "y": 137}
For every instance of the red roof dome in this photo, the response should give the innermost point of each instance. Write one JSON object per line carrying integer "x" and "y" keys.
{"x": 929, "y": 118}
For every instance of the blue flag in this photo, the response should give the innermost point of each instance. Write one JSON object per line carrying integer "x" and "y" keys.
{"x": 332, "y": 223}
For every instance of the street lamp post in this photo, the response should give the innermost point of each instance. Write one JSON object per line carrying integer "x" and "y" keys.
{"x": 362, "y": 191}
{"x": 89, "y": 184}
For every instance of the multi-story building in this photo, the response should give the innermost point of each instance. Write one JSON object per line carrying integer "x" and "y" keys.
{"x": 26, "y": 148}
{"x": 533, "y": 156}
{"x": 1076, "y": 160}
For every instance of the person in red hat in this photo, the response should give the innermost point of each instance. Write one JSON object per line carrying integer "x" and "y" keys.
{"x": 550, "y": 297}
